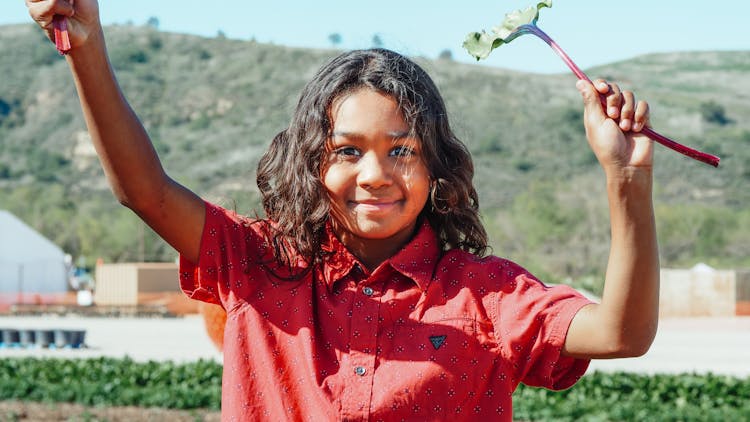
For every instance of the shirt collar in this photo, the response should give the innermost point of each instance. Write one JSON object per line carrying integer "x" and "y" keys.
{"x": 416, "y": 260}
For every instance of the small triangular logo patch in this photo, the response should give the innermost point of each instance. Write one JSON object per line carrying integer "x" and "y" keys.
{"x": 437, "y": 341}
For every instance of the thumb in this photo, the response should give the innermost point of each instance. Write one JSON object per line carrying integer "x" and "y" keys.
{"x": 592, "y": 106}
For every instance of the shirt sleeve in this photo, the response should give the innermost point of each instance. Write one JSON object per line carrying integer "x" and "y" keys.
{"x": 228, "y": 244}
{"x": 535, "y": 319}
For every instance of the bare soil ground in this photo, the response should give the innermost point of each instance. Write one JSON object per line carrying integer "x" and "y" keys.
{"x": 12, "y": 411}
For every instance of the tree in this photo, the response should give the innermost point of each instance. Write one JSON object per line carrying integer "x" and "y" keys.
{"x": 446, "y": 54}
{"x": 153, "y": 22}
{"x": 335, "y": 39}
{"x": 713, "y": 112}
{"x": 377, "y": 42}
{"x": 5, "y": 108}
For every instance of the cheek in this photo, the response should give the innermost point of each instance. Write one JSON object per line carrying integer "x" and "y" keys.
{"x": 334, "y": 195}
{"x": 419, "y": 187}
{"x": 424, "y": 193}
{"x": 334, "y": 181}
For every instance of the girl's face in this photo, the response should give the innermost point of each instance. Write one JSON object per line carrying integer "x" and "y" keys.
{"x": 375, "y": 175}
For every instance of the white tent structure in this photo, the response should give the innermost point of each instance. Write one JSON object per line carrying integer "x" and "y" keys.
{"x": 29, "y": 262}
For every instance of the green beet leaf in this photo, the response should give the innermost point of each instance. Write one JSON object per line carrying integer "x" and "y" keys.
{"x": 480, "y": 44}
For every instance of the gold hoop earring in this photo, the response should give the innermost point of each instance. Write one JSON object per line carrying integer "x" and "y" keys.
{"x": 439, "y": 205}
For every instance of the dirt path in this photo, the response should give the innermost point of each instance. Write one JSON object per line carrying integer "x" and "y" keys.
{"x": 687, "y": 345}
{"x": 142, "y": 339}
{"x": 41, "y": 412}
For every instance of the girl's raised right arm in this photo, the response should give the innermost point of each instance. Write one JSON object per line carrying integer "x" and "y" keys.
{"x": 130, "y": 162}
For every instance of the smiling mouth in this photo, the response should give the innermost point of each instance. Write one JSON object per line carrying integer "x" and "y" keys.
{"x": 374, "y": 206}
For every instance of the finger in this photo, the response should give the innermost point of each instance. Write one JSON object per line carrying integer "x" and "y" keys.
{"x": 592, "y": 107}
{"x": 641, "y": 116}
{"x": 60, "y": 7}
{"x": 602, "y": 86}
{"x": 627, "y": 111}
{"x": 614, "y": 100}
{"x": 42, "y": 11}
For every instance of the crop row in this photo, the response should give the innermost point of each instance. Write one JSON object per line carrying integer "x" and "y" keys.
{"x": 197, "y": 385}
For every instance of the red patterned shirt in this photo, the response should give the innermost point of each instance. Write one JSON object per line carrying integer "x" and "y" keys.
{"x": 428, "y": 335}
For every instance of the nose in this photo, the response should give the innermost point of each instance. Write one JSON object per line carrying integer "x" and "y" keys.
{"x": 374, "y": 172}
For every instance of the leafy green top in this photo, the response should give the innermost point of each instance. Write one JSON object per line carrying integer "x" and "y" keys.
{"x": 479, "y": 44}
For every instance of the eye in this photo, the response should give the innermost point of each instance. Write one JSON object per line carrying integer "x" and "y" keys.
{"x": 348, "y": 152}
{"x": 402, "y": 151}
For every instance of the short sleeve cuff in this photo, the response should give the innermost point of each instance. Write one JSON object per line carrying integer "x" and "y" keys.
{"x": 564, "y": 371}
{"x": 194, "y": 281}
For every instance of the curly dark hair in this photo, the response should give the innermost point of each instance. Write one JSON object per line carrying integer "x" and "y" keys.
{"x": 289, "y": 173}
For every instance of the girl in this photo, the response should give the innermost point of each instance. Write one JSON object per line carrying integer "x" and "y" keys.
{"x": 366, "y": 293}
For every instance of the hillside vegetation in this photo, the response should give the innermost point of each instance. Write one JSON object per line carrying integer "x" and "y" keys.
{"x": 211, "y": 105}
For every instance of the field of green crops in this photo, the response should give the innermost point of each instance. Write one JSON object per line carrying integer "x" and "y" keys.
{"x": 597, "y": 397}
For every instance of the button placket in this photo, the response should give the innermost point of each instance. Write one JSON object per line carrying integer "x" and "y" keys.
{"x": 364, "y": 322}
{"x": 362, "y": 346}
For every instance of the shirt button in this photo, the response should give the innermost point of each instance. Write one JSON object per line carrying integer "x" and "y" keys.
{"x": 368, "y": 291}
{"x": 360, "y": 370}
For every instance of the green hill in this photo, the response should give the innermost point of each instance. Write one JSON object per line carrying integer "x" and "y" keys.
{"x": 212, "y": 105}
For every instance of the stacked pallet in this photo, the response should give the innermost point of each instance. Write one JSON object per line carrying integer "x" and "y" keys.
{"x": 42, "y": 338}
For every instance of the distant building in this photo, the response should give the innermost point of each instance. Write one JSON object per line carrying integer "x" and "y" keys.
{"x": 32, "y": 268}
{"x": 703, "y": 291}
{"x": 141, "y": 284}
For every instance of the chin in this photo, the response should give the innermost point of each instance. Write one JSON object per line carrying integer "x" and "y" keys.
{"x": 375, "y": 233}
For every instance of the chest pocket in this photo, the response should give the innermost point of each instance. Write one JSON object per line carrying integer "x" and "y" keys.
{"x": 446, "y": 338}
{"x": 437, "y": 368}
{"x": 452, "y": 335}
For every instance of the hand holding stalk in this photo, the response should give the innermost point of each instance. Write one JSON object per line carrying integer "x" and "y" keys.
{"x": 62, "y": 38}
{"x": 523, "y": 22}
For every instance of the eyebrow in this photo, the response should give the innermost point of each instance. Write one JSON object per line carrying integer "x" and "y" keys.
{"x": 359, "y": 136}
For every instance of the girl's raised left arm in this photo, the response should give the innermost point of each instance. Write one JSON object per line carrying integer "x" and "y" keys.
{"x": 624, "y": 323}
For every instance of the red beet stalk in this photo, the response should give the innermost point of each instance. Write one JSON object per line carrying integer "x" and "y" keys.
{"x": 676, "y": 146}
{"x": 62, "y": 39}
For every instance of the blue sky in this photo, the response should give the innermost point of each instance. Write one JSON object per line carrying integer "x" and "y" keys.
{"x": 592, "y": 32}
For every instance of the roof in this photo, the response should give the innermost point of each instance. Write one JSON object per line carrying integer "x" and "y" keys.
{"x": 20, "y": 243}
{"x": 28, "y": 260}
